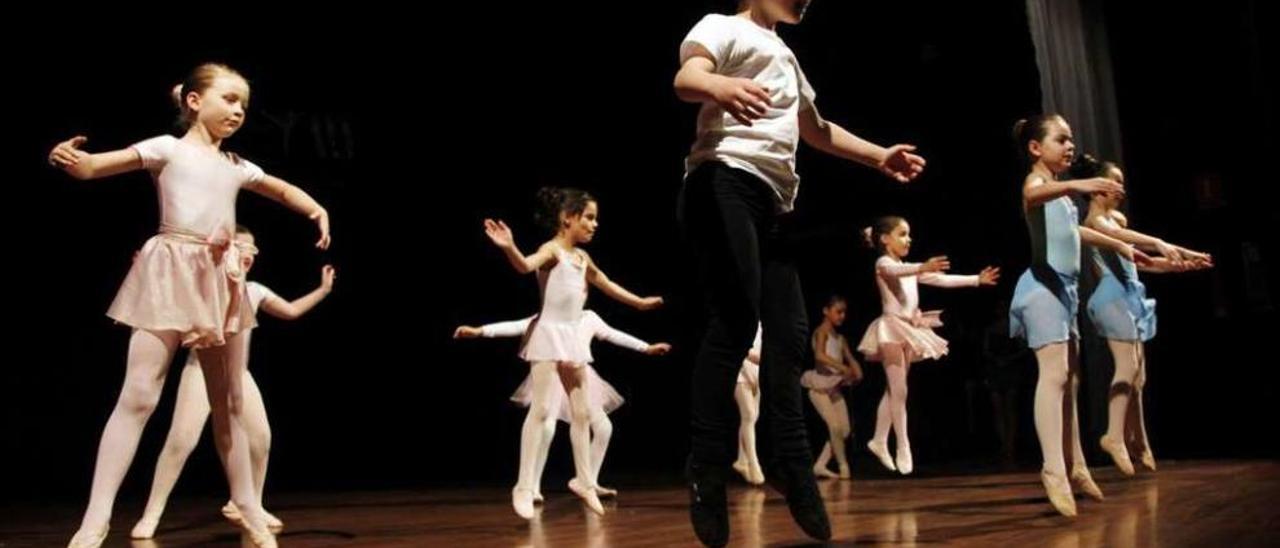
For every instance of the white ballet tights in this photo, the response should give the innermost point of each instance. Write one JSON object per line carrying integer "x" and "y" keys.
{"x": 539, "y": 424}
{"x": 892, "y": 410}
{"x": 833, "y": 410}
{"x": 1124, "y": 418}
{"x": 1055, "y": 406}
{"x": 748, "y": 412}
{"x": 191, "y": 411}
{"x": 147, "y": 364}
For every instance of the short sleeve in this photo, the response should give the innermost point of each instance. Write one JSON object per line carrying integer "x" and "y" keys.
{"x": 259, "y": 293}
{"x": 155, "y": 152}
{"x": 715, "y": 34}
{"x": 251, "y": 171}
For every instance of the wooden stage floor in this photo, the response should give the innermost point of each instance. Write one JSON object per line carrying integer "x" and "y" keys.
{"x": 1222, "y": 503}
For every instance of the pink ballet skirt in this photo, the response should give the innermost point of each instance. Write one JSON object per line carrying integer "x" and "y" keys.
{"x": 186, "y": 283}
{"x": 600, "y": 395}
{"x": 914, "y": 333}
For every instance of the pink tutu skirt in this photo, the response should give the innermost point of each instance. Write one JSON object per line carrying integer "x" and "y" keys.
{"x": 185, "y": 283}
{"x": 915, "y": 335}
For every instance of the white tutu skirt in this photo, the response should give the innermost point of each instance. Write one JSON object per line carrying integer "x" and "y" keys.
{"x": 600, "y": 395}
{"x": 556, "y": 341}
{"x": 821, "y": 382}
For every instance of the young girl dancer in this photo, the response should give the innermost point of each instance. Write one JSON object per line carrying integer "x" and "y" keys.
{"x": 747, "y": 394}
{"x": 834, "y": 368}
{"x": 1122, "y": 313}
{"x": 191, "y": 409}
{"x": 186, "y": 287}
{"x": 755, "y": 107}
{"x": 602, "y": 399}
{"x": 903, "y": 335}
{"x": 553, "y": 345}
{"x": 1045, "y": 301}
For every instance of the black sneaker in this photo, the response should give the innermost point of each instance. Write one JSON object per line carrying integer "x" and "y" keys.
{"x": 797, "y": 484}
{"x": 708, "y": 504}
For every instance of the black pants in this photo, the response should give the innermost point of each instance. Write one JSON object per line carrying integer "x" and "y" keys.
{"x": 747, "y": 274}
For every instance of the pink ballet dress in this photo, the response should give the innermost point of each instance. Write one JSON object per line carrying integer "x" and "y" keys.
{"x": 187, "y": 278}
{"x": 901, "y": 321}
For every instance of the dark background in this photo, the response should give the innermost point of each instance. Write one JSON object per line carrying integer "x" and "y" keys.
{"x": 412, "y": 129}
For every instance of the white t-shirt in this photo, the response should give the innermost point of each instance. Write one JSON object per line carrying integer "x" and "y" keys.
{"x": 767, "y": 148}
{"x": 259, "y": 293}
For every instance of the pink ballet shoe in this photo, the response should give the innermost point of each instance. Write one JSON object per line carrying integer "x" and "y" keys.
{"x": 587, "y": 494}
{"x": 1059, "y": 491}
{"x": 260, "y": 539}
{"x": 1148, "y": 460}
{"x": 522, "y": 502}
{"x": 145, "y": 529}
{"x": 1082, "y": 481}
{"x": 1119, "y": 455}
{"x": 882, "y": 453}
{"x": 904, "y": 463}
{"x": 88, "y": 539}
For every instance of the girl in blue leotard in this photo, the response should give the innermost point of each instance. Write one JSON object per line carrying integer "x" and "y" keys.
{"x": 1045, "y": 302}
{"x": 1123, "y": 315}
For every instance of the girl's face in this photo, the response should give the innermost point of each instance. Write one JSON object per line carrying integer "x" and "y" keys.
{"x": 835, "y": 313}
{"x": 221, "y": 108}
{"x": 897, "y": 243}
{"x": 247, "y": 257}
{"x": 1057, "y": 149}
{"x": 1110, "y": 200}
{"x": 581, "y": 228}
